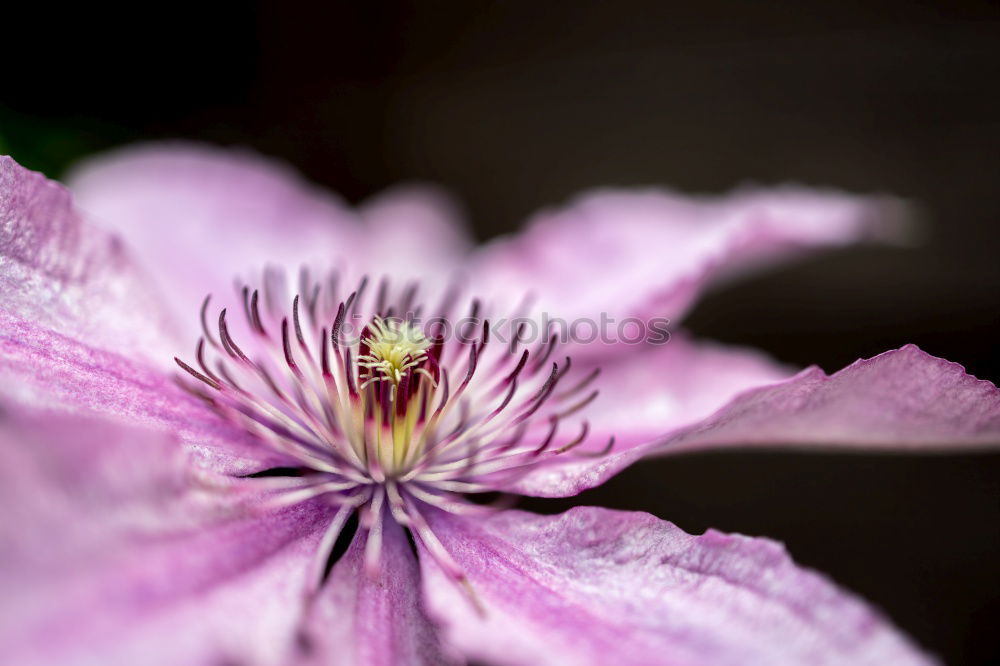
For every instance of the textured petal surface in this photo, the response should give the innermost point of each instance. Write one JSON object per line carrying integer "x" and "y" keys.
{"x": 199, "y": 216}
{"x": 57, "y": 271}
{"x": 358, "y": 621}
{"x": 593, "y": 586}
{"x": 901, "y": 400}
{"x": 651, "y": 253}
{"x": 110, "y": 554}
{"x": 43, "y": 368}
{"x": 898, "y": 400}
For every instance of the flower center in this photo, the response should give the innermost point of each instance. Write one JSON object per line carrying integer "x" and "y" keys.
{"x": 395, "y": 348}
{"x": 394, "y": 420}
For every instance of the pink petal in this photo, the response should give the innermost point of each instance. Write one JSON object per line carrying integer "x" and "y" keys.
{"x": 415, "y": 232}
{"x": 110, "y": 554}
{"x": 902, "y": 400}
{"x": 356, "y": 620}
{"x": 42, "y": 368}
{"x": 594, "y": 586}
{"x": 198, "y": 216}
{"x": 57, "y": 271}
{"x": 647, "y": 391}
{"x": 651, "y": 253}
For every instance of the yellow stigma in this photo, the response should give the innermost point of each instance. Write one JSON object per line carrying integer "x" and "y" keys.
{"x": 394, "y": 348}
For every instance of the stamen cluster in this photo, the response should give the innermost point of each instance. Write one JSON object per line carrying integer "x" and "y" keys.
{"x": 392, "y": 418}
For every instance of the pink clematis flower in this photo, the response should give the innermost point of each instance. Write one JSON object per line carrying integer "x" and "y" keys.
{"x": 288, "y": 493}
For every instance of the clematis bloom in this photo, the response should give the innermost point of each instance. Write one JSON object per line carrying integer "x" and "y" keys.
{"x": 200, "y": 510}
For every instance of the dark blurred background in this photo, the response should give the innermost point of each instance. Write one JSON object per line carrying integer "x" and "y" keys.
{"x": 517, "y": 105}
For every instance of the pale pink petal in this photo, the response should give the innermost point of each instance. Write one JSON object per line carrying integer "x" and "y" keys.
{"x": 651, "y": 253}
{"x": 901, "y": 400}
{"x": 79, "y": 331}
{"x": 39, "y": 367}
{"x": 594, "y": 586}
{"x": 904, "y": 399}
{"x": 360, "y": 621}
{"x": 57, "y": 271}
{"x": 414, "y": 232}
{"x": 111, "y": 553}
{"x": 647, "y": 391}
{"x": 200, "y": 216}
